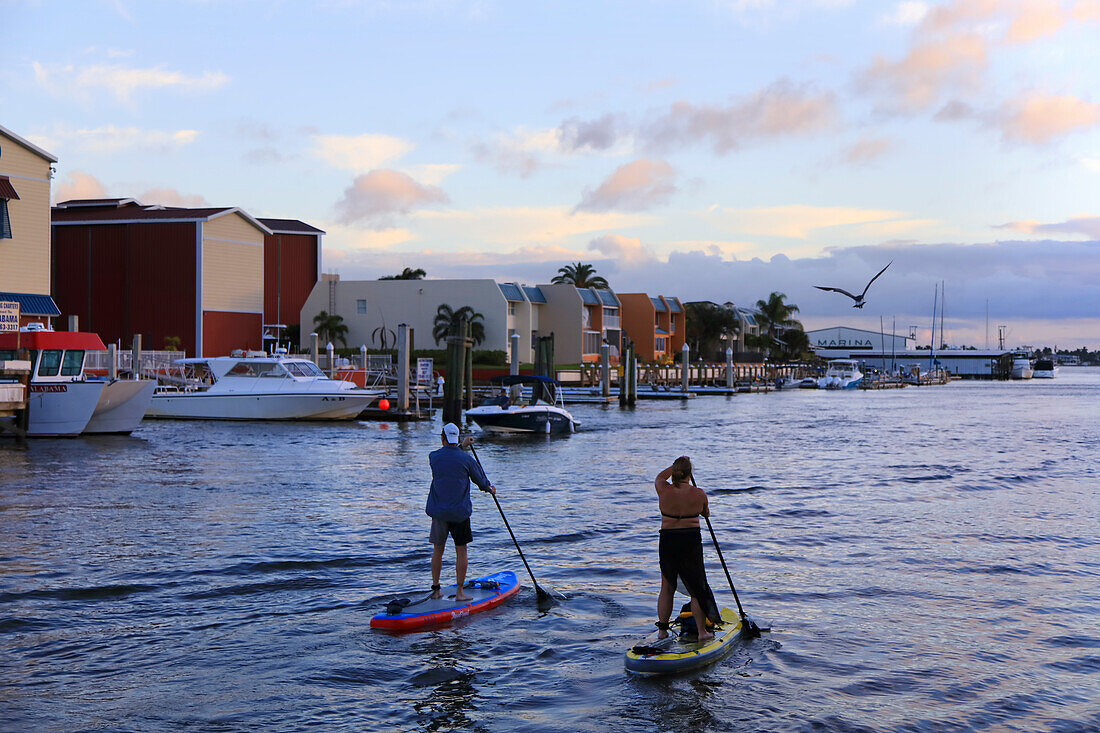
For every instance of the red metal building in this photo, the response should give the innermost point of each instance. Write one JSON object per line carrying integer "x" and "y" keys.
{"x": 292, "y": 266}
{"x": 196, "y": 274}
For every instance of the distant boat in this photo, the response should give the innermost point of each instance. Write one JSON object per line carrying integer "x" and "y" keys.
{"x": 841, "y": 374}
{"x": 500, "y": 415}
{"x": 1021, "y": 366}
{"x": 1044, "y": 369}
{"x": 257, "y": 387}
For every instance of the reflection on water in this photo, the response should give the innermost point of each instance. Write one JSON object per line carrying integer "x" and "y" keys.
{"x": 927, "y": 559}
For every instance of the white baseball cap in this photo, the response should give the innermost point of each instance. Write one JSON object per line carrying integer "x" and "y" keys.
{"x": 450, "y": 432}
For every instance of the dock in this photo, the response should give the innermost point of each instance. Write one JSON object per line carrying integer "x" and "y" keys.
{"x": 14, "y": 408}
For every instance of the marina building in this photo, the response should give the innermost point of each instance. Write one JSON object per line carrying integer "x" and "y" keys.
{"x": 25, "y": 174}
{"x": 891, "y": 353}
{"x": 292, "y": 266}
{"x": 824, "y": 341}
{"x": 656, "y": 325}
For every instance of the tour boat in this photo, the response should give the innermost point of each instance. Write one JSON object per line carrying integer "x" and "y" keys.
{"x": 841, "y": 374}
{"x": 1044, "y": 369}
{"x": 60, "y": 399}
{"x": 256, "y": 386}
{"x": 500, "y": 415}
{"x": 1021, "y": 366}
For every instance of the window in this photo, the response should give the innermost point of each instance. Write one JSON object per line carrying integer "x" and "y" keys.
{"x": 534, "y": 339}
{"x": 5, "y": 221}
{"x": 361, "y": 307}
{"x": 659, "y": 344}
{"x": 73, "y": 363}
{"x": 7, "y": 354}
{"x": 511, "y": 309}
{"x": 672, "y": 325}
{"x": 657, "y": 320}
{"x": 49, "y": 363}
{"x": 611, "y": 318}
{"x": 592, "y": 342}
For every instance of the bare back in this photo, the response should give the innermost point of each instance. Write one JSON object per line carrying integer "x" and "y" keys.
{"x": 680, "y": 504}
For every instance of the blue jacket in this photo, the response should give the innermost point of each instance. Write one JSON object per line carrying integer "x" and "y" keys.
{"x": 449, "y": 496}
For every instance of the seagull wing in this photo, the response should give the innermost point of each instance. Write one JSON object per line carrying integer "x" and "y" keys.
{"x": 838, "y": 290}
{"x": 876, "y": 277}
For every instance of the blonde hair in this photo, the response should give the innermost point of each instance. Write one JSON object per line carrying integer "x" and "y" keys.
{"x": 681, "y": 469}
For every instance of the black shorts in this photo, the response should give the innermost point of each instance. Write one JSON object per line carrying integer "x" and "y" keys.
{"x": 459, "y": 532}
{"x": 681, "y": 555}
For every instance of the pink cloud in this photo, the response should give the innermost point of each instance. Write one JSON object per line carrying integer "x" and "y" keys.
{"x": 172, "y": 197}
{"x": 867, "y": 150}
{"x": 634, "y": 186}
{"x": 625, "y": 250}
{"x": 929, "y": 70}
{"x": 1086, "y": 10}
{"x": 382, "y": 193}
{"x": 1037, "y": 118}
{"x": 1037, "y": 19}
{"x": 1085, "y": 226}
{"x": 79, "y": 185}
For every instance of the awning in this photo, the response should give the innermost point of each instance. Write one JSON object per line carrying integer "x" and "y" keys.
{"x": 7, "y": 191}
{"x": 33, "y": 305}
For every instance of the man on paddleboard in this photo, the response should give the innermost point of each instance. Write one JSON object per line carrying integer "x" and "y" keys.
{"x": 681, "y": 547}
{"x": 449, "y": 504}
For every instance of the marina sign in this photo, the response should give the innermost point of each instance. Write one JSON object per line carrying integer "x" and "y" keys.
{"x": 854, "y": 343}
{"x": 9, "y": 317}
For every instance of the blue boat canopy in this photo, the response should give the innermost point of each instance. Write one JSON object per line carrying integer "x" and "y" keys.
{"x": 509, "y": 379}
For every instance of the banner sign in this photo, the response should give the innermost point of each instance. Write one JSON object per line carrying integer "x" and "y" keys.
{"x": 9, "y": 317}
{"x": 423, "y": 371}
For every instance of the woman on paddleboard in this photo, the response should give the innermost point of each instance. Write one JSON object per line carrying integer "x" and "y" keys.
{"x": 681, "y": 547}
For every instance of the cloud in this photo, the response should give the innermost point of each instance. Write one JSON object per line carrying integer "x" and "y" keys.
{"x": 1036, "y": 118}
{"x": 1086, "y": 11}
{"x": 111, "y": 139}
{"x": 908, "y": 13}
{"x": 929, "y": 70}
{"x": 1036, "y": 19}
{"x": 263, "y": 156}
{"x": 379, "y": 195}
{"x": 171, "y": 197}
{"x": 431, "y": 173}
{"x": 624, "y": 250}
{"x": 780, "y": 109}
{"x": 1085, "y": 226}
{"x": 597, "y": 134}
{"x": 359, "y": 153}
{"x": 867, "y": 150}
{"x": 635, "y": 186}
{"x": 520, "y": 151}
{"x": 797, "y": 221}
{"x": 79, "y": 185}
{"x": 502, "y": 228}
{"x": 66, "y": 82}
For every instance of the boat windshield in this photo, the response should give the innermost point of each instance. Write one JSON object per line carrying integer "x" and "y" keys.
{"x": 49, "y": 363}
{"x": 251, "y": 369}
{"x": 303, "y": 369}
{"x": 72, "y": 364}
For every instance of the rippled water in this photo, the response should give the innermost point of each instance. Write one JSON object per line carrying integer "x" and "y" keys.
{"x": 928, "y": 559}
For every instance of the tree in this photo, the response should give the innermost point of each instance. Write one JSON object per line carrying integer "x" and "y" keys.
{"x": 447, "y": 318}
{"x": 707, "y": 325}
{"x": 581, "y": 275}
{"x": 330, "y": 328}
{"x": 407, "y": 274}
{"x": 779, "y": 330}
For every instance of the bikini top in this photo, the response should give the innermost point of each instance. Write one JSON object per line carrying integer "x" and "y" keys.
{"x": 681, "y": 516}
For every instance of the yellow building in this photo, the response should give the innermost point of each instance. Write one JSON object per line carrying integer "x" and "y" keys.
{"x": 25, "y": 172}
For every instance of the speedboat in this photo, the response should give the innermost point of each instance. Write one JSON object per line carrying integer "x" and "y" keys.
{"x": 60, "y": 399}
{"x": 1021, "y": 366}
{"x": 501, "y": 415}
{"x": 1044, "y": 369}
{"x": 808, "y": 383}
{"x": 256, "y": 386}
{"x": 841, "y": 374}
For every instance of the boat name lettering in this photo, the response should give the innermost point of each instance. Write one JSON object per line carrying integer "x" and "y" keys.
{"x": 49, "y": 388}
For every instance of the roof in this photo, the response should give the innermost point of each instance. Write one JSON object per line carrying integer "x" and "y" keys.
{"x": 29, "y": 145}
{"x": 95, "y": 211}
{"x": 290, "y": 226}
{"x": 33, "y": 305}
{"x": 52, "y": 340}
{"x": 661, "y": 332}
{"x": 607, "y": 297}
{"x": 588, "y": 297}
{"x": 748, "y": 317}
{"x": 511, "y": 292}
{"x": 7, "y": 191}
{"x": 659, "y": 304}
{"x": 673, "y": 304}
{"x": 534, "y": 294}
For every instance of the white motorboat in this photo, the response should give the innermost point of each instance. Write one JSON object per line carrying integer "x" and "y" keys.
{"x": 257, "y": 387}
{"x": 1044, "y": 369}
{"x": 121, "y": 407}
{"x": 501, "y": 415}
{"x": 841, "y": 374}
{"x": 1021, "y": 366}
{"x": 60, "y": 399}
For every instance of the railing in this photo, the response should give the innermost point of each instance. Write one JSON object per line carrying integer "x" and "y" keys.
{"x": 151, "y": 361}
{"x": 611, "y": 322}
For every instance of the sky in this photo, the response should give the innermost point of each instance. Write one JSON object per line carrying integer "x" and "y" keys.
{"x": 707, "y": 149}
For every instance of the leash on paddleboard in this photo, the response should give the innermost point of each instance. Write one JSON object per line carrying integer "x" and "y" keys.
{"x": 543, "y": 596}
{"x": 751, "y": 629}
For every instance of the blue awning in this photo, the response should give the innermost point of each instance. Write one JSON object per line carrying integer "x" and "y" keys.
{"x": 673, "y": 304}
{"x": 661, "y": 332}
{"x": 534, "y": 294}
{"x": 33, "y": 305}
{"x": 607, "y": 297}
{"x": 511, "y": 292}
{"x": 659, "y": 305}
{"x": 588, "y": 297}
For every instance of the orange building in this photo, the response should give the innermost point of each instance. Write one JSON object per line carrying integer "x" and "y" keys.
{"x": 657, "y": 326}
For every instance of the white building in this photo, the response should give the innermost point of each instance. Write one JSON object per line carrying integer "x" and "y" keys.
{"x": 839, "y": 342}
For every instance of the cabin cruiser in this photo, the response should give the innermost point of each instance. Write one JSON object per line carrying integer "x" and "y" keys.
{"x": 60, "y": 399}
{"x": 501, "y": 415}
{"x": 256, "y": 386}
{"x": 1021, "y": 366}
{"x": 1044, "y": 369}
{"x": 841, "y": 374}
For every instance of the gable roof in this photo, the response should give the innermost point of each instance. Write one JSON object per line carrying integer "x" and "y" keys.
{"x": 534, "y": 294}
{"x": 511, "y": 292}
{"x": 28, "y": 145}
{"x": 119, "y": 211}
{"x": 289, "y": 226}
{"x": 31, "y": 304}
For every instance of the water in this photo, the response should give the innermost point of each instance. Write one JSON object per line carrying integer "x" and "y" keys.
{"x": 927, "y": 557}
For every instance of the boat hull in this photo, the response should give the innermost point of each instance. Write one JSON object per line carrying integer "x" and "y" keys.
{"x": 302, "y": 406}
{"x": 525, "y": 420}
{"x": 122, "y": 405}
{"x": 59, "y": 409}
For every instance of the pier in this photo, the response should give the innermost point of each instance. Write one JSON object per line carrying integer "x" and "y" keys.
{"x": 15, "y": 377}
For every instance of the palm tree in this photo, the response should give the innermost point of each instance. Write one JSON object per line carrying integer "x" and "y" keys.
{"x": 778, "y": 327}
{"x": 446, "y": 318}
{"x": 581, "y": 275}
{"x": 407, "y": 274}
{"x": 330, "y": 328}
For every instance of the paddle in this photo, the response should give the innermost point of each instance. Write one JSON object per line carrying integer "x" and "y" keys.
{"x": 543, "y": 596}
{"x": 751, "y": 629}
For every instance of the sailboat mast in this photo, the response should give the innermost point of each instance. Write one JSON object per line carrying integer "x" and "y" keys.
{"x": 932, "y": 344}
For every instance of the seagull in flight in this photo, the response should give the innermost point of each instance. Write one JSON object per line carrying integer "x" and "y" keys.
{"x": 857, "y": 298}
